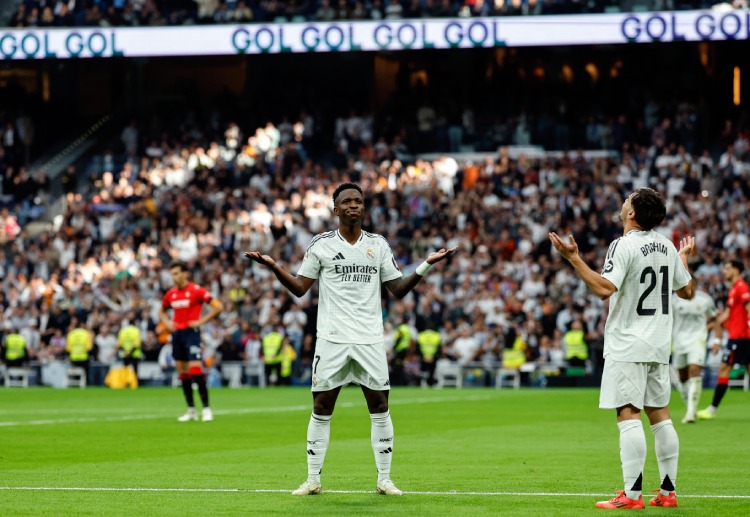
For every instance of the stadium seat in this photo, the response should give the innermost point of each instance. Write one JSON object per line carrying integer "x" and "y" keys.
{"x": 575, "y": 371}
{"x": 510, "y": 377}
{"x": 448, "y": 373}
{"x": 423, "y": 377}
{"x": 256, "y": 369}
{"x": 740, "y": 379}
{"x": 75, "y": 376}
{"x": 149, "y": 372}
{"x": 231, "y": 371}
{"x": 17, "y": 377}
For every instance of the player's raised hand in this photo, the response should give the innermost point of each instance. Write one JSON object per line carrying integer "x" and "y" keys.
{"x": 687, "y": 246}
{"x": 567, "y": 250}
{"x": 437, "y": 256}
{"x": 264, "y": 260}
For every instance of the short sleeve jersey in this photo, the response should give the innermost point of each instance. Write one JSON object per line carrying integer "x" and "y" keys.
{"x": 690, "y": 318}
{"x": 186, "y": 303}
{"x": 738, "y": 297}
{"x": 645, "y": 268}
{"x": 350, "y": 275}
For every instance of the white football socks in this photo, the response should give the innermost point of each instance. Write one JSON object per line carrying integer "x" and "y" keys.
{"x": 683, "y": 388}
{"x": 667, "y": 447}
{"x": 695, "y": 387}
{"x": 632, "y": 456}
{"x": 318, "y": 434}
{"x": 382, "y": 443}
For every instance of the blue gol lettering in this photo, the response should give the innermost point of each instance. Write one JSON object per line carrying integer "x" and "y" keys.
{"x": 30, "y": 45}
{"x": 731, "y": 29}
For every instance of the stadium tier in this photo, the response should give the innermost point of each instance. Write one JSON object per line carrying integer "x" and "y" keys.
{"x": 120, "y": 154}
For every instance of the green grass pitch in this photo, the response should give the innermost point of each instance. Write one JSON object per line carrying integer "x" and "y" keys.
{"x": 457, "y": 452}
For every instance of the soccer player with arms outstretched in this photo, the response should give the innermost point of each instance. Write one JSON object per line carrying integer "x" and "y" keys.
{"x": 351, "y": 265}
{"x": 735, "y": 318}
{"x": 186, "y": 300}
{"x": 641, "y": 270}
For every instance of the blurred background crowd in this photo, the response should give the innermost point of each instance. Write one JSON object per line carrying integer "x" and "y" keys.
{"x": 205, "y": 197}
{"x": 201, "y": 159}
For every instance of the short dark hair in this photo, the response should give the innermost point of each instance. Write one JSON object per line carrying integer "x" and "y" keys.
{"x": 179, "y": 264}
{"x": 343, "y": 187}
{"x": 649, "y": 206}
{"x": 737, "y": 264}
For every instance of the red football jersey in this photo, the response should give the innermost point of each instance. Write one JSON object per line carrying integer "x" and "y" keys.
{"x": 186, "y": 304}
{"x": 739, "y": 296}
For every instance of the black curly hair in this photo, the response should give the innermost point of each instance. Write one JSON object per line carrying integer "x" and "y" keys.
{"x": 343, "y": 187}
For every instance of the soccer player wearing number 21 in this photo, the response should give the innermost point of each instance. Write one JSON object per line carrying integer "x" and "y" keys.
{"x": 641, "y": 270}
{"x": 351, "y": 264}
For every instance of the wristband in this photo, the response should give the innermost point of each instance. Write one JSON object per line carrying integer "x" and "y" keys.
{"x": 717, "y": 341}
{"x": 423, "y": 268}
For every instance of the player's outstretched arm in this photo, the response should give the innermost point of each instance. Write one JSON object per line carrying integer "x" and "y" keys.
{"x": 400, "y": 287}
{"x": 441, "y": 254}
{"x": 687, "y": 248}
{"x": 601, "y": 287}
{"x": 297, "y": 285}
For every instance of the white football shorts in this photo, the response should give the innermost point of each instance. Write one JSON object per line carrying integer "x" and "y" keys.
{"x": 337, "y": 364}
{"x": 639, "y": 384}
{"x": 696, "y": 355}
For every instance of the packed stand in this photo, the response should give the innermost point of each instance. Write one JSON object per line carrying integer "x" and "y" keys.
{"x": 23, "y": 194}
{"x": 204, "y": 198}
{"x": 130, "y": 13}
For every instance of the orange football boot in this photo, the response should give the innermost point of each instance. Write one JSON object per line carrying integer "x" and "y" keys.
{"x": 667, "y": 501}
{"x": 621, "y": 502}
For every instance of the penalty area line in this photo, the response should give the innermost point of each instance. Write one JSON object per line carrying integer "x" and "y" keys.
{"x": 275, "y": 491}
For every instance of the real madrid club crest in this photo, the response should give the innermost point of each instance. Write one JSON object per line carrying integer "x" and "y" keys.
{"x": 314, "y": 380}
{"x": 370, "y": 254}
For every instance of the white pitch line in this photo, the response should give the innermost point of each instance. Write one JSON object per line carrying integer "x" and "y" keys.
{"x": 271, "y": 491}
{"x": 283, "y": 409}
{"x": 67, "y": 411}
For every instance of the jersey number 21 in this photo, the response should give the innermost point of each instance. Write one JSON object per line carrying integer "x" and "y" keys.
{"x": 649, "y": 278}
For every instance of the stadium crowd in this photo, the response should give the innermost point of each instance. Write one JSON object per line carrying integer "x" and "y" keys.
{"x": 60, "y": 13}
{"x": 205, "y": 197}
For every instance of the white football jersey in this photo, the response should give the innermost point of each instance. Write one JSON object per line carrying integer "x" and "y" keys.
{"x": 690, "y": 318}
{"x": 349, "y": 308}
{"x": 645, "y": 267}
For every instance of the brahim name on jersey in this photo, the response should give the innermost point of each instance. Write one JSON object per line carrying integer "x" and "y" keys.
{"x": 654, "y": 247}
